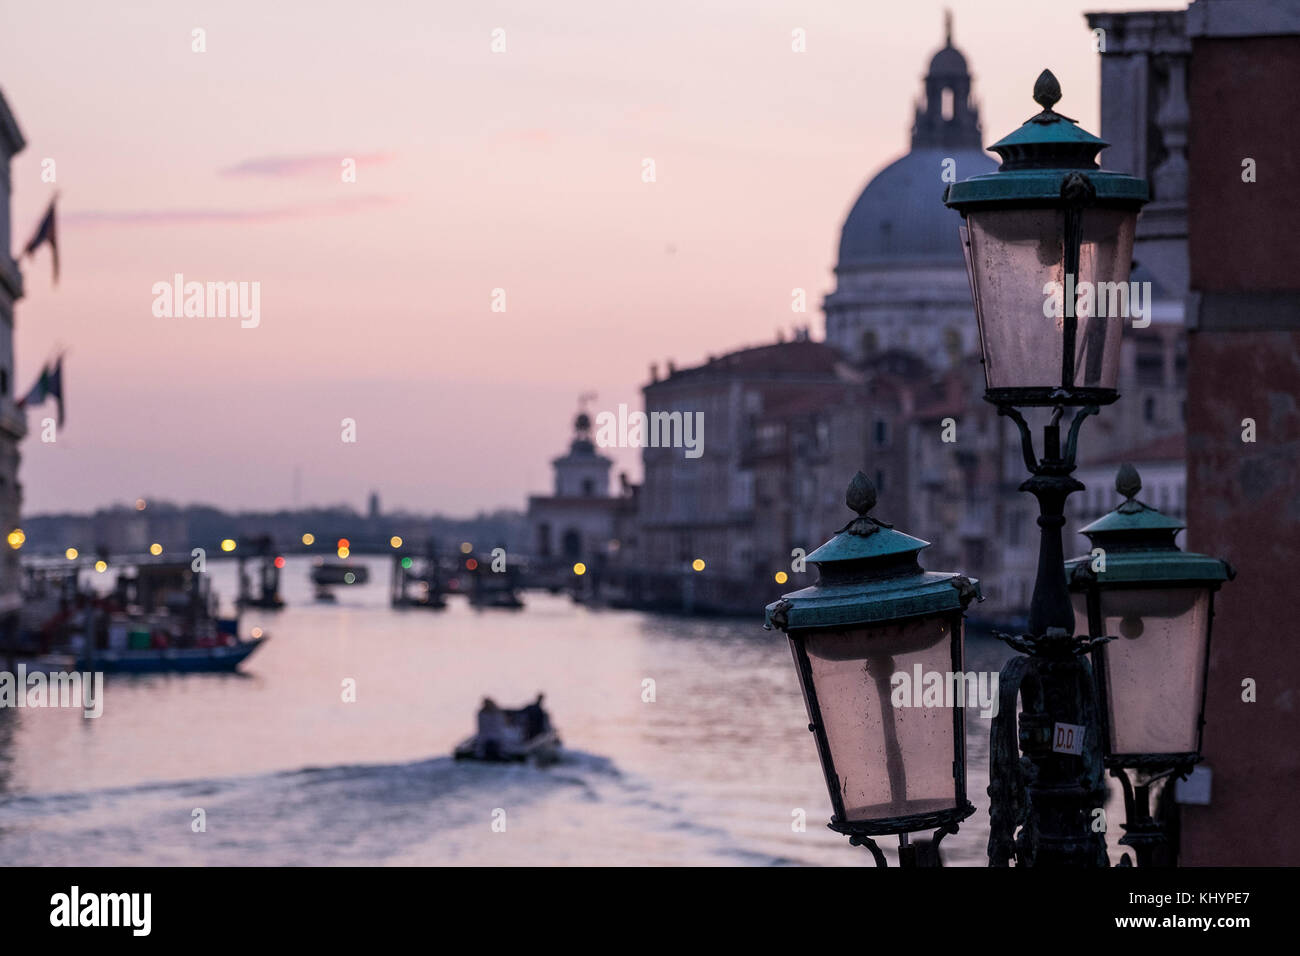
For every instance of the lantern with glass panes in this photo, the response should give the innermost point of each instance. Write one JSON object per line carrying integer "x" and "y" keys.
{"x": 1043, "y": 236}
{"x": 1152, "y": 604}
{"x": 873, "y": 622}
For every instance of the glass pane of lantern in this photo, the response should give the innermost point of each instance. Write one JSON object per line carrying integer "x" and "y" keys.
{"x": 1155, "y": 667}
{"x": 1102, "y": 301}
{"x": 1016, "y": 262}
{"x": 891, "y": 760}
{"x": 1014, "y": 254}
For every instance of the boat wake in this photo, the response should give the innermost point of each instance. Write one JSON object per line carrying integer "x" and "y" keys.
{"x": 433, "y": 811}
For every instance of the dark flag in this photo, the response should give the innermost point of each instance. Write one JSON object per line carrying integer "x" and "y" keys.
{"x": 46, "y": 233}
{"x": 49, "y": 385}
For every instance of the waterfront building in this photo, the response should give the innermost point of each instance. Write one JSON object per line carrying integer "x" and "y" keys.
{"x": 579, "y": 522}
{"x": 13, "y": 425}
{"x": 767, "y": 431}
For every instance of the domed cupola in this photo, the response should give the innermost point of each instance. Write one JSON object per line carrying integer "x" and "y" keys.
{"x": 901, "y": 276}
{"x": 900, "y": 218}
{"x": 947, "y": 119}
{"x": 582, "y": 442}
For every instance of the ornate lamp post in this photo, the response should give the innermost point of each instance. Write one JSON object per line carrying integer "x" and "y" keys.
{"x": 1155, "y": 604}
{"x": 1048, "y": 228}
{"x": 891, "y": 767}
{"x": 1036, "y": 230}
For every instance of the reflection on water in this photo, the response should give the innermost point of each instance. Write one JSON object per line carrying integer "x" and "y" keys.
{"x": 286, "y": 772}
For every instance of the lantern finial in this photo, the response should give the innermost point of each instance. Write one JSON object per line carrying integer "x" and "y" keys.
{"x": 1047, "y": 90}
{"x": 1128, "y": 482}
{"x": 861, "y": 496}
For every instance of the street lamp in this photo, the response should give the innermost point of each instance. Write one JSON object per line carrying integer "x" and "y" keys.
{"x": 874, "y": 623}
{"x": 1155, "y": 604}
{"x": 1048, "y": 228}
{"x": 1046, "y": 223}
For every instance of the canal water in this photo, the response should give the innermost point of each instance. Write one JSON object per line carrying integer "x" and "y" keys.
{"x": 714, "y": 771}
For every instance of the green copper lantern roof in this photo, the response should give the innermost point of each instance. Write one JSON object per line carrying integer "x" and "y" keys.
{"x": 1049, "y": 139}
{"x": 1045, "y": 159}
{"x": 866, "y": 538}
{"x": 868, "y": 572}
{"x": 1139, "y": 546}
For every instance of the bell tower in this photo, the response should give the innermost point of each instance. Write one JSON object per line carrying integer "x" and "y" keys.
{"x": 947, "y": 119}
{"x": 582, "y": 473}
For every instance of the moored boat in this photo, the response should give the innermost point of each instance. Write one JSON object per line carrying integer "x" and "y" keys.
{"x": 495, "y": 590}
{"x": 161, "y": 617}
{"x": 158, "y": 660}
{"x": 335, "y": 572}
{"x": 496, "y": 598}
{"x": 267, "y": 595}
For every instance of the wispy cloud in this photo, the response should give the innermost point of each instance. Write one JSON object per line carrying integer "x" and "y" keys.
{"x": 341, "y": 206}
{"x": 287, "y": 167}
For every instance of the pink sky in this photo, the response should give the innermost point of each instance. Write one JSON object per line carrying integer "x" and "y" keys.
{"x": 476, "y": 171}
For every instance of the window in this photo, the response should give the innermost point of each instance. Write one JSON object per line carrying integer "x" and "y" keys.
{"x": 882, "y": 432}
{"x": 1149, "y": 409}
{"x": 946, "y": 107}
{"x": 770, "y": 437}
{"x": 952, "y": 343}
{"x": 880, "y": 481}
{"x": 572, "y": 544}
{"x": 1150, "y": 367}
{"x": 588, "y": 487}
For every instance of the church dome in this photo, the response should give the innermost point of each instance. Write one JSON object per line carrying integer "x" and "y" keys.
{"x": 948, "y": 62}
{"x": 900, "y": 218}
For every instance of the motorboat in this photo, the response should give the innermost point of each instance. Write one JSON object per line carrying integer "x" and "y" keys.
{"x": 512, "y": 736}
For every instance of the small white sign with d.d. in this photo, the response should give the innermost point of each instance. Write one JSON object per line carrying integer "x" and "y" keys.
{"x": 1067, "y": 738}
